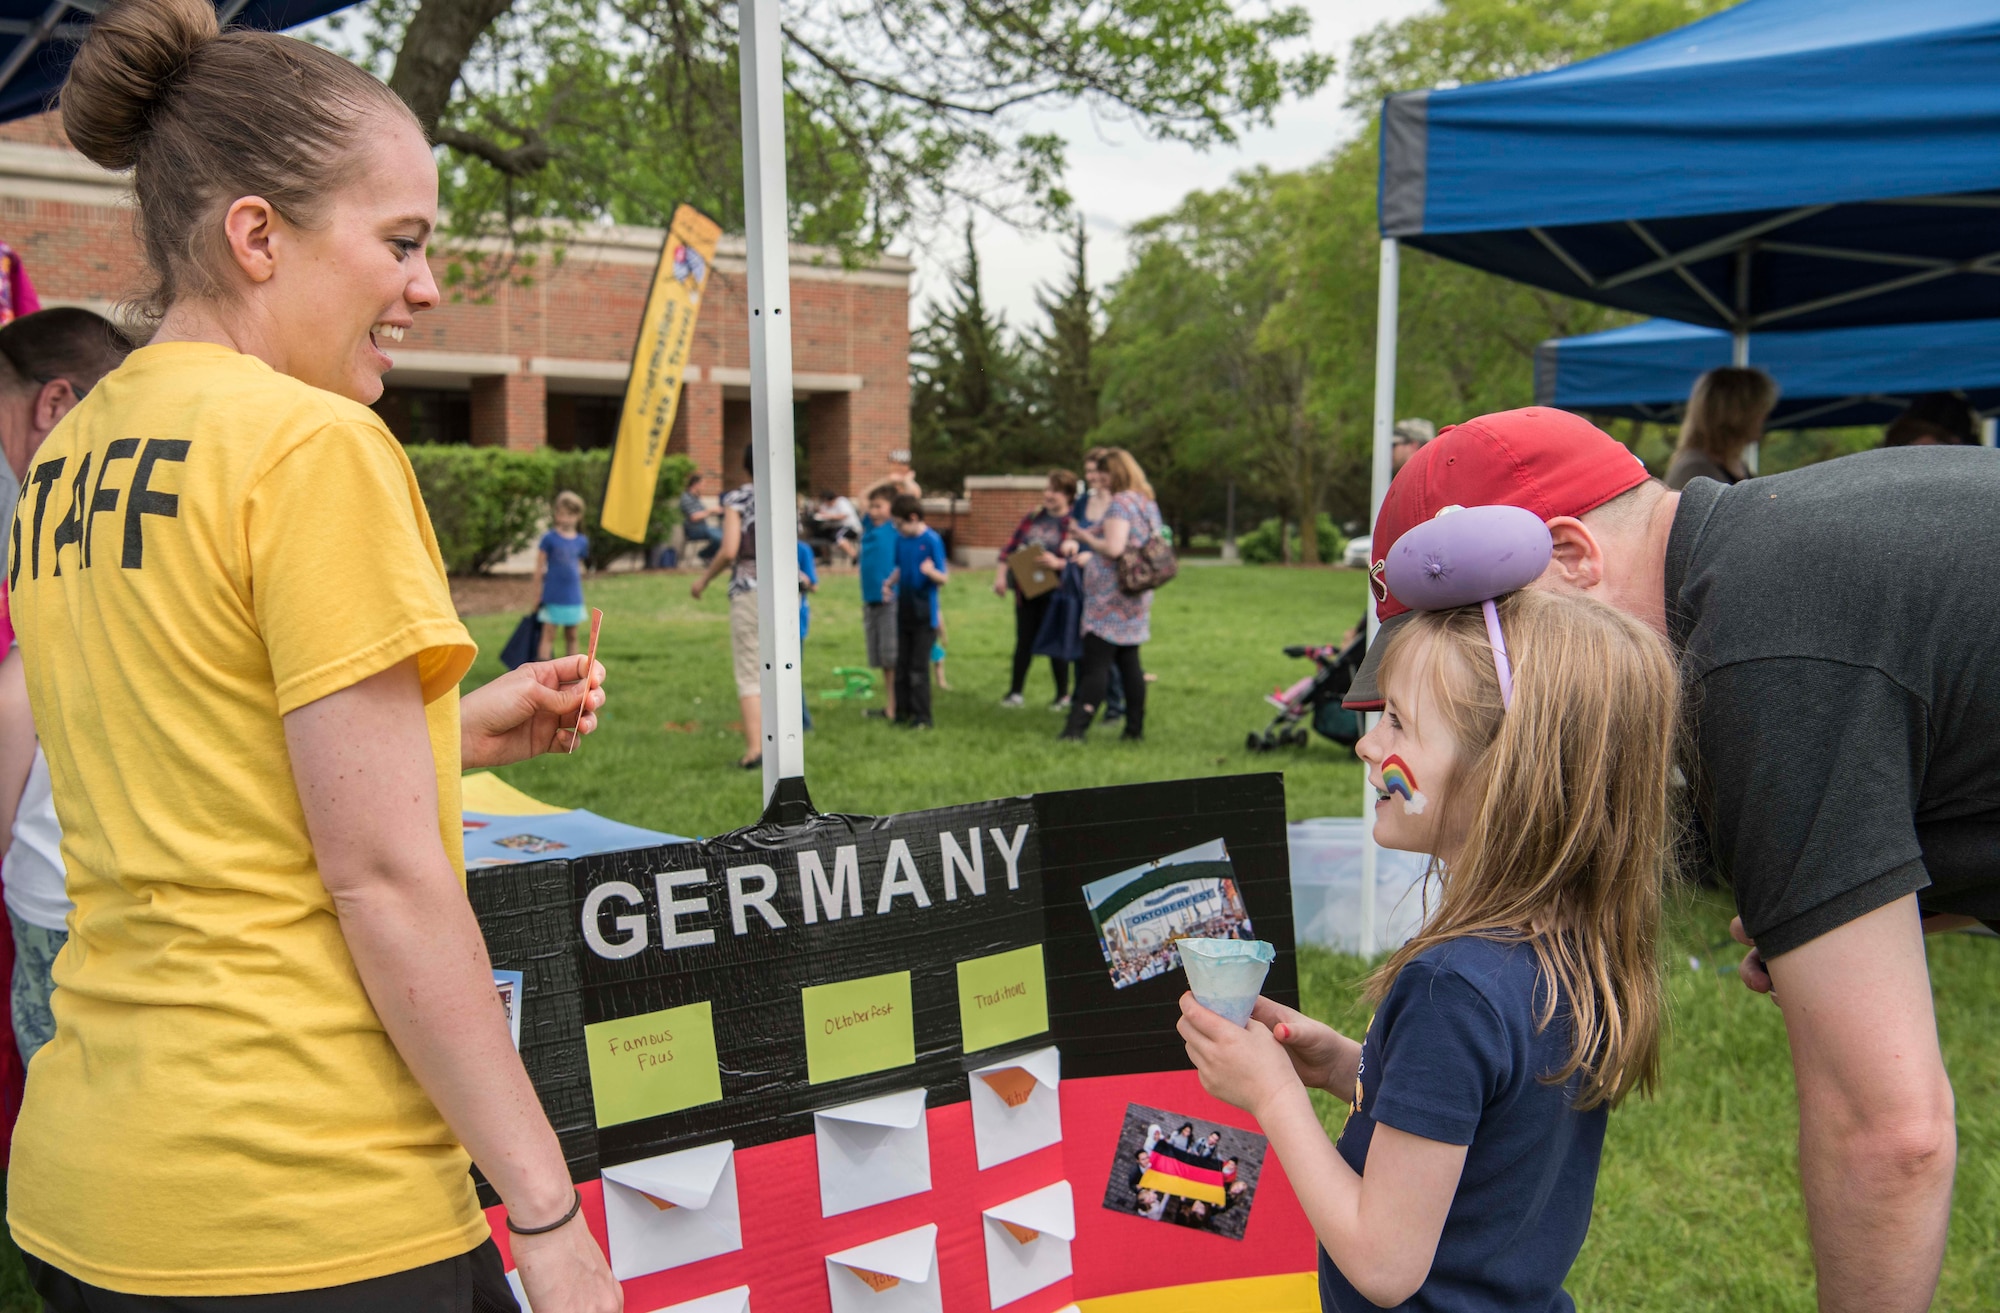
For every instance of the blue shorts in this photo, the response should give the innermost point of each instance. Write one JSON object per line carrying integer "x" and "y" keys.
{"x": 551, "y": 614}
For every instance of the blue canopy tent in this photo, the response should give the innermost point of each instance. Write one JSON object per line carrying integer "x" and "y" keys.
{"x": 1827, "y": 377}
{"x": 37, "y": 38}
{"x": 1794, "y": 164}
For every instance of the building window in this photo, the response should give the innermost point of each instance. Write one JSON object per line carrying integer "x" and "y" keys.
{"x": 583, "y": 423}
{"x": 424, "y": 417}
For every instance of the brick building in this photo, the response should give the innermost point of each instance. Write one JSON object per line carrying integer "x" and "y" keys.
{"x": 544, "y": 360}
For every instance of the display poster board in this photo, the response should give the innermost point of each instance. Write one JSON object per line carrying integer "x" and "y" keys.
{"x": 876, "y": 1064}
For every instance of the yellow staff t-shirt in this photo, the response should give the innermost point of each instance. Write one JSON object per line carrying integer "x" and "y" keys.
{"x": 203, "y": 546}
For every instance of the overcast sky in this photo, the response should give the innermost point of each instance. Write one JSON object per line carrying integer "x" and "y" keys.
{"x": 1119, "y": 177}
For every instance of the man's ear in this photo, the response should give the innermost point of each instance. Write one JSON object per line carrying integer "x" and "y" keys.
{"x": 250, "y": 224}
{"x": 1576, "y": 559}
{"x": 52, "y": 401}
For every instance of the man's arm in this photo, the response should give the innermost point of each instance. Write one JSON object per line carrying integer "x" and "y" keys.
{"x": 725, "y": 556}
{"x": 1877, "y": 1140}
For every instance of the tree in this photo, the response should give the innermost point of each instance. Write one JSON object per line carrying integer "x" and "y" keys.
{"x": 967, "y": 411}
{"x": 1199, "y": 380}
{"x": 1462, "y": 41}
{"x": 896, "y": 109}
{"x": 1063, "y": 373}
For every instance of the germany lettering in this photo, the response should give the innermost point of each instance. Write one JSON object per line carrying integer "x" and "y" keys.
{"x": 618, "y": 921}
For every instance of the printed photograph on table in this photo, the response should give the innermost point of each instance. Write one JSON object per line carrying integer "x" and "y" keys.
{"x": 1185, "y": 1171}
{"x": 1140, "y": 913}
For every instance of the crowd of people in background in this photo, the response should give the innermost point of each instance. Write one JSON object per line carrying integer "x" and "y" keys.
{"x": 1080, "y": 613}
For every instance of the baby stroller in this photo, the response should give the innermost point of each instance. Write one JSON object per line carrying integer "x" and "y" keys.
{"x": 1317, "y": 697}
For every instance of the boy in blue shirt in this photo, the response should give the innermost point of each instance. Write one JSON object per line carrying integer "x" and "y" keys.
{"x": 919, "y": 573}
{"x": 878, "y": 614}
{"x": 808, "y": 585}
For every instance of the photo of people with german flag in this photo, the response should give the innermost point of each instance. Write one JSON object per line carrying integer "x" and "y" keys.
{"x": 1171, "y": 1168}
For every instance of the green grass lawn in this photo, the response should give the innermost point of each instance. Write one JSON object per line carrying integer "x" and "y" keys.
{"x": 1218, "y": 640}
{"x": 1697, "y": 1205}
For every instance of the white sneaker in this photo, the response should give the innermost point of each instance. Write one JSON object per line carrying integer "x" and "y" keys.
{"x": 1013, "y": 700}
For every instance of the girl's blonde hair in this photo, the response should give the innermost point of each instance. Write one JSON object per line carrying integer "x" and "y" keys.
{"x": 1126, "y": 476}
{"x": 1726, "y": 412}
{"x": 569, "y": 501}
{"x": 1562, "y": 799}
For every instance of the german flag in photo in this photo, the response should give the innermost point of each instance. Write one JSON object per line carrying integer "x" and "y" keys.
{"x": 1182, "y": 1172}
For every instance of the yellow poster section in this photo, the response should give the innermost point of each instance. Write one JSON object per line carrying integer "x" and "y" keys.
{"x": 653, "y": 392}
{"x": 1294, "y": 1292}
{"x": 854, "y": 1027}
{"x": 654, "y": 1064}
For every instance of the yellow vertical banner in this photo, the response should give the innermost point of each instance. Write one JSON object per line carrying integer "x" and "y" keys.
{"x": 653, "y": 393}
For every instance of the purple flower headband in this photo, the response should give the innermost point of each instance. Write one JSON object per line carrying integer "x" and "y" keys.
{"x": 1470, "y": 554}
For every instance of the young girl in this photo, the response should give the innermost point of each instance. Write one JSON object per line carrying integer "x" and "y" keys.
{"x": 1530, "y": 1002}
{"x": 559, "y": 575}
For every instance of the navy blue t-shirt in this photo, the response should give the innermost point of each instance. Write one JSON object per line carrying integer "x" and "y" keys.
{"x": 914, "y": 588}
{"x": 562, "y": 583}
{"x": 1453, "y": 1055}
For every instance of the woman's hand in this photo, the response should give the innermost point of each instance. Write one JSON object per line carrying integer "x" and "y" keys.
{"x": 1324, "y": 1058}
{"x": 1244, "y": 1066}
{"x": 697, "y": 588}
{"x": 565, "y": 1272}
{"x": 527, "y": 711}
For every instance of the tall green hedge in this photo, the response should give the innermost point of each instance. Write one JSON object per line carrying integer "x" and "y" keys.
{"x": 487, "y": 502}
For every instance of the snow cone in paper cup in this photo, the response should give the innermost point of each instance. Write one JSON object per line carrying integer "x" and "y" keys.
{"x": 1226, "y": 975}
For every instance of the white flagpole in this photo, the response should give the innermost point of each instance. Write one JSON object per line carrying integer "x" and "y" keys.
{"x": 1387, "y": 290}
{"x": 770, "y": 292}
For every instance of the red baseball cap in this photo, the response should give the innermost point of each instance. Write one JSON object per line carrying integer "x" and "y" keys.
{"x": 1543, "y": 460}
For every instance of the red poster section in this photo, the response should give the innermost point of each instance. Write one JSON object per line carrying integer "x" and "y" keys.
{"x": 786, "y": 1241}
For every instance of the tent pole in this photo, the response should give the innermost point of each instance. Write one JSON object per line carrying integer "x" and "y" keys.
{"x": 1387, "y": 289}
{"x": 1739, "y": 356}
{"x": 769, "y": 288}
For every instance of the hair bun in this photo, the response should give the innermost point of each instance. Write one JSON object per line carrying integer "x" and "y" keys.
{"x": 136, "y": 51}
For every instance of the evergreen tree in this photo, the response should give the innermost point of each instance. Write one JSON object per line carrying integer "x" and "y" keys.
{"x": 967, "y": 413}
{"x": 1066, "y": 378}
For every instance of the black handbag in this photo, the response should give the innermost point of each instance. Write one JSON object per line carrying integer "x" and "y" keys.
{"x": 525, "y": 642}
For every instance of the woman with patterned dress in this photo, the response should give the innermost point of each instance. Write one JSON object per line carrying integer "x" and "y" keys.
{"x": 1115, "y": 623}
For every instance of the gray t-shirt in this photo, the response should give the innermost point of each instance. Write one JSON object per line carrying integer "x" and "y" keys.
{"x": 1840, "y": 626}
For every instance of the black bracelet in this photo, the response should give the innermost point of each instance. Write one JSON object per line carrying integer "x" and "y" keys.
{"x": 575, "y": 1207}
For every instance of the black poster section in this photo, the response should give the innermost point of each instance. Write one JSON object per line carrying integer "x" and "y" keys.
{"x": 1088, "y": 834}
{"x": 1035, "y": 854}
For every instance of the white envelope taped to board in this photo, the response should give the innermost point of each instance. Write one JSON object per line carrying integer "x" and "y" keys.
{"x": 896, "y": 1274}
{"x": 723, "y": 1301}
{"x": 520, "y": 1291}
{"x": 671, "y": 1210}
{"x": 1016, "y": 1107}
{"x": 872, "y": 1151}
{"x": 1027, "y": 1242}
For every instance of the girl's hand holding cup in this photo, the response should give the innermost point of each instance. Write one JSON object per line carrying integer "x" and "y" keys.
{"x": 1244, "y": 1066}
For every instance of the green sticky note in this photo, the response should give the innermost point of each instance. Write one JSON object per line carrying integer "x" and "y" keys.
{"x": 656, "y": 1063}
{"x": 854, "y": 1027}
{"x": 1002, "y": 998}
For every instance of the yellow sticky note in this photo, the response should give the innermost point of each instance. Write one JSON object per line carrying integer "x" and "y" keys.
{"x": 652, "y": 1064}
{"x": 854, "y": 1027}
{"x": 1002, "y": 998}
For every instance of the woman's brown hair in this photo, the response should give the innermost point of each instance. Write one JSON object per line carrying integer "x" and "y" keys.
{"x": 1064, "y": 482}
{"x": 1562, "y": 798}
{"x": 1726, "y": 412}
{"x": 205, "y": 117}
{"x": 1126, "y": 476}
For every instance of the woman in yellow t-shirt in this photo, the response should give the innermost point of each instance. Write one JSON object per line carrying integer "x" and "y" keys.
{"x": 278, "y": 1048}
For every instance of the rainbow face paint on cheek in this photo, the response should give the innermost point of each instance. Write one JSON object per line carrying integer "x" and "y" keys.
{"x": 1398, "y": 779}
